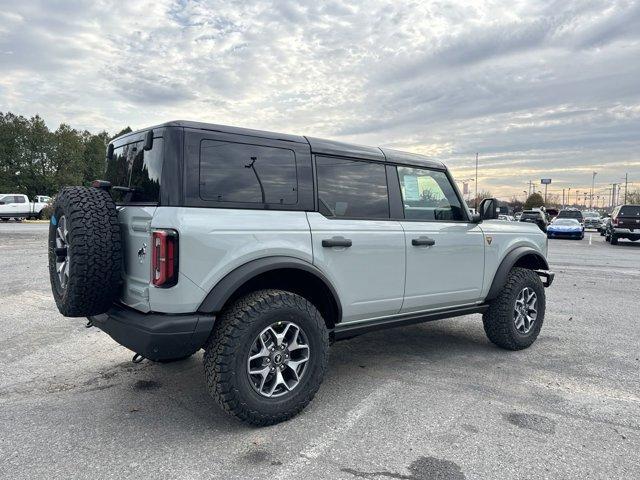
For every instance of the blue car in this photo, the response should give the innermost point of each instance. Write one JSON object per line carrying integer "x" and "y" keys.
{"x": 565, "y": 228}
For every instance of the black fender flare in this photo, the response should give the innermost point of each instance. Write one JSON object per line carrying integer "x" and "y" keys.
{"x": 225, "y": 288}
{"x": 510, "y": 259}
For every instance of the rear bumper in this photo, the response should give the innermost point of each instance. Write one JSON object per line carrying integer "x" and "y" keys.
{"x": 627, "y": 232}
{"x": 155, "y": 336}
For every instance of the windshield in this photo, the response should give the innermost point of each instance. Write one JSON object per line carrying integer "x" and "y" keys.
{"x": 570, "y": 214}
{"x": 132, "y": 166}
{"x": 567, "y": 222}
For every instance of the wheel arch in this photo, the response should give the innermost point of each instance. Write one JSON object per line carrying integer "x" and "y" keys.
{"x": 287, "y": 273}
{"x": 524, "y": 257}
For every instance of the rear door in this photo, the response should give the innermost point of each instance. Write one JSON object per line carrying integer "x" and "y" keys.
{"x": 355, "y": 243}
{"x": 445, "y": 252}
{"x": 139, "y": 170}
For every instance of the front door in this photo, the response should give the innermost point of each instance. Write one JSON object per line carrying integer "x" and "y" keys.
{"x": 355, "y": 243}
{"x": 445, "y": 252}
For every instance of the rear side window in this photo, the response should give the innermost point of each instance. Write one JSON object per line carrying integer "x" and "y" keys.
{"x": 630, "y": 211}
{"x": 242, "y": 173}
{"x": 428, "y": 195}
{"x": 137, "y": 169}
{"x": 352, "y": 189}
{"x": 19, "y": 199}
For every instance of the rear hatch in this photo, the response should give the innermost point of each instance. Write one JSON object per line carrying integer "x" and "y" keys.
{"x": 629, "y": 217}
{"x": 135, "y": 176}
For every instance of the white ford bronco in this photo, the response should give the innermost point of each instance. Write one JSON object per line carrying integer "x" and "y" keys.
{"x": 263, "y": 248}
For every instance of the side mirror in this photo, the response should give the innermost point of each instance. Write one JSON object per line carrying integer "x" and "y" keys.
{"x": 148, "y": 140}
{"x": 110, "y": 152}
{"x": 476, "y": 218}
{"x": 488, "y": 209}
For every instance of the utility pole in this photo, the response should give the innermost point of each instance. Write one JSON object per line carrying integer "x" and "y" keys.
{"x": 569, "y": 196}
{"x": 626, "y": 186}
{"x": 593, "y": 183}
{"x": 563, "y": 198}
{"x": 476, "y": 182}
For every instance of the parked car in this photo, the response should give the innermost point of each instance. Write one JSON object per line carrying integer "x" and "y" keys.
{"x": 261, "y": 248}
{"x": 571, "y": 213}
{"x": 565, "y": 228}
{"x": 592, "y": 220}
{"x": 15, "y": 205}
{"x": 625, "y": 223}
{"x": 506, "y": 218}
{"x": 535, "y": 216}
{"x": 604, "y": 225}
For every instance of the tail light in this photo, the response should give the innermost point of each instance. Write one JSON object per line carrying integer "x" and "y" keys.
{"x": 164, "y": 258}
{"x": 614, "y": 222}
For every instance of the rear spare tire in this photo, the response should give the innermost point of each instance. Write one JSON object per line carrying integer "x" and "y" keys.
{"x": 85, "y": 258}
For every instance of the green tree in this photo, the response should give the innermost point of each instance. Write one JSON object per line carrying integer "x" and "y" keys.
{"x": 535, "y": 200}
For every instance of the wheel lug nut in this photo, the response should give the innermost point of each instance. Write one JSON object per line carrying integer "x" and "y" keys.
{"x": 268, "y": 360}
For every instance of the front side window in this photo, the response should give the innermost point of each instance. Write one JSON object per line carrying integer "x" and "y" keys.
{"x": 137, "y": 169}
{"x": 19, "y": 199}
{"x": 352, "y": 189}
{"x": 428, "y": 195}
{"x": 243, "y": 173}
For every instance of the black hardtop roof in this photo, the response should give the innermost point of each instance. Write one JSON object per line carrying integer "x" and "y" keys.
{"x": 318, "y": 145}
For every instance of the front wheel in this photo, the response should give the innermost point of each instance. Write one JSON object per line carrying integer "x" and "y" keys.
{"x": 514, "y": 318}
{"x": 267, "y": 356}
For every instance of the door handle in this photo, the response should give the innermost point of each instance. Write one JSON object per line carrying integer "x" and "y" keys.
{"x": 336, "y": 242}
{"x": 423, "y": 242}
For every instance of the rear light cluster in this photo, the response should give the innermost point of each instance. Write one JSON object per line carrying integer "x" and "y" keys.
{"x": 164, "y": 258}
{"x": 614, "y": 222}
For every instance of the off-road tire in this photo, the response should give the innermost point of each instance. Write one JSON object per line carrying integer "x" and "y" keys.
{"x": 614, "y": 239}
{"x": 227, "y": 348}
{"x": 94, "y": 250}
{"x": 498, "y": 320}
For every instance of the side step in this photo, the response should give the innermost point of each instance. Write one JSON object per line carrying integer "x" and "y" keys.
{"x": 348, "y": 330}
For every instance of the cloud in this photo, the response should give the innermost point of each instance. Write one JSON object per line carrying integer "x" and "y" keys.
{"x": 538, "y": 88}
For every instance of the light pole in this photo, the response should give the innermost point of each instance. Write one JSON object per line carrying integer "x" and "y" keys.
{"x": 476, "y": 181}
{"x": 593, "y": 183}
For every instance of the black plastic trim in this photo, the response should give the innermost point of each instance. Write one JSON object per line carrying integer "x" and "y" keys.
{"x": 156, "y": 336}
{"x": 218, "y": 296}
{"x": 510, "y": 259}
{"x": 348, "y": 330}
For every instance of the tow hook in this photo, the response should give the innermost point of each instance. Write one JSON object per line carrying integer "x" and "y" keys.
{"x": 89, "y": 324}
{"x": 137, "y": 358}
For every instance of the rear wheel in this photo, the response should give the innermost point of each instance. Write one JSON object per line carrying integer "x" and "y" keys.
{"x": 267, "y": 356}
{"x": 614, "y": 239}
{"x": 514, "y": 319}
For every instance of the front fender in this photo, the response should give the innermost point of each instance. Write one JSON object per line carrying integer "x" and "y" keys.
{"x": 535, "y": 261}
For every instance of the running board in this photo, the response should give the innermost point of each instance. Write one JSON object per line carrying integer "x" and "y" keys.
{"x": 348, "y": 330}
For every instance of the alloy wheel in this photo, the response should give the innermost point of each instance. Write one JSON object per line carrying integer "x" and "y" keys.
{"x": 62, "y": 252}
{"x": 278, "y": 359}
{"x": 525, "y": 310}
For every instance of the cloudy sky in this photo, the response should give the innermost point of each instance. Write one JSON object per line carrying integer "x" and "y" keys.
{"x": 537, "y": 88}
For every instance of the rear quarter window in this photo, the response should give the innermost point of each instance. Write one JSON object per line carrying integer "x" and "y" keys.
{"x": 244, "y": 173}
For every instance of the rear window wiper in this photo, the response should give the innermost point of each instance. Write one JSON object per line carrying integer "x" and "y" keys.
{"x": 106, "y": 185}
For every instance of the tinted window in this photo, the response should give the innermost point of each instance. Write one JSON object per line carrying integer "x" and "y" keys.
{"x": 236, "y": 172}
{"x": 348, "y": 188}
{"x": 630, "y": 211}
{"x": 19, "y": 199}
{"x": 133, "y": 167}
{"x": 428, "y": 195}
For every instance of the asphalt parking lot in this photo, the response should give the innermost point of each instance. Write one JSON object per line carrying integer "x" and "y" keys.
{"x": 434, "y": 401}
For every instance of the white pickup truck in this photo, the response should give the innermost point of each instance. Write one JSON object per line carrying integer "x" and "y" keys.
{"x": 18, "y": 206}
